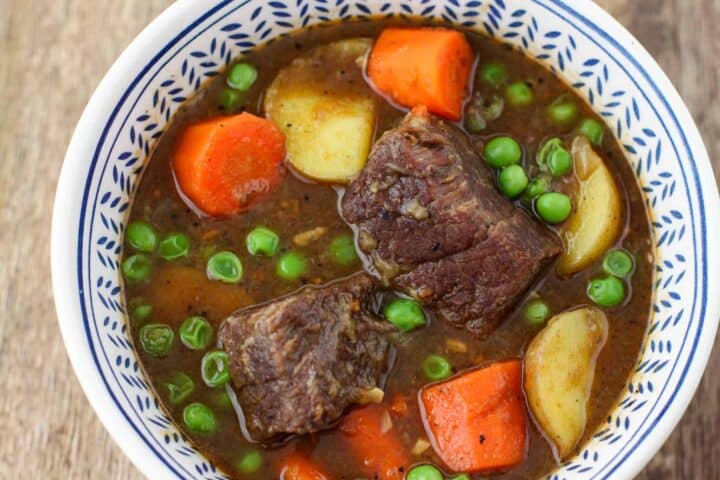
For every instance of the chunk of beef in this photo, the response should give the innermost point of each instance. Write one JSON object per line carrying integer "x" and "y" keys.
{"x": 421, "y": 196}
{"x": 475, "y": 288}
{"x": 435, "y": 227}
{"x": 298, "y": 362}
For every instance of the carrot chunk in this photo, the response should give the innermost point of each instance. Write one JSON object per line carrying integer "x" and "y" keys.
{"x": 370, "y": 433}
{"x": 225, "y": 165}
{"x": 476, "y": 421}
{"x": 298, "y": 467}
{"x": 423, "y": 66}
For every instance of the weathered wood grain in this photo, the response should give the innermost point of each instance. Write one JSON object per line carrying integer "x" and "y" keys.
{"x": 54, "y": 54}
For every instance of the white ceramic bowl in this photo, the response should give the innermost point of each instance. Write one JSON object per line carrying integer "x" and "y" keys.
{"x": 168, "y": 61}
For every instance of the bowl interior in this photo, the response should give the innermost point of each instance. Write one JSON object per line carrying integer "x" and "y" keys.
{"x": 190, "y": 43}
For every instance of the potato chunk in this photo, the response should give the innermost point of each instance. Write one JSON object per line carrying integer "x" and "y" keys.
{"x": 328, "y": 120}
{"x": 595, "y": 224}
{"x": 559, "y": 370}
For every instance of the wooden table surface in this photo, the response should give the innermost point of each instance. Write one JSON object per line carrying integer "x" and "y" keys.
{"x": 54, "y": 53}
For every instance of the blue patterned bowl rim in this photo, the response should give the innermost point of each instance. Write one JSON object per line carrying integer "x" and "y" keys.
{"x": 192, "y": 40}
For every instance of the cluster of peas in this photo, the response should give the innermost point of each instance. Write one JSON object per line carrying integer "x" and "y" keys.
{"x": 505, "y": 154}
{"x": 607, "y": 291}
{"x": 195, "y": 332}
{"x": 240, "y": 78}
{"x": 224, "y": 266}
{"x": 553, "y": 160}
{"x": 407, "y": 315}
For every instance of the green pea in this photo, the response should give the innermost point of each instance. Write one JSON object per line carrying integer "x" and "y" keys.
{"x": 494, "y": 74}
{"x": 156, "y": 339}
{"x": 562, "y": 111}
{"x": 179, "y": 387}
{"x": 225, "y": 266}
{"x": 250, "y": 462}
{"x": 553, "y": 207}
{"x": 229, "y": 99}
{"x": 424, "y": 472}
{"x": 543, "y": 154}
{"x": 242, "y": 76}
{"x": 196, "y": 333}
{"x": 137, "y": 267}
{"x": 606, "y": 292}
{"x": 199, "y": 418}
{"x": 262, "y": 241}
{"x": 436, "y": 367}
{"x": 519, "y": 94}
{"x": 141, "y": 236}
{"x": 536, "y": 187}
{"x": 342, "y": 250}
{"x": 618, "y": 263}
{"x": 502, "y": 151}
{"x": 559, "y": 162}
{"x": 215, "y": 372}
{"x": 291, "y": 266}
{"x": 174, "y": 246}
{"x": 140, "y": 310}
{"x": 405, "y": 314}
{"x": 512, "y": 181}
{"x": 536, "y": 312}
{"x": 222, "y": 400}
{"x": 593, "y": 130}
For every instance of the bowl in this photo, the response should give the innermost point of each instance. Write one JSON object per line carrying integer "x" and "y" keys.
{"x": 192, "y": 40}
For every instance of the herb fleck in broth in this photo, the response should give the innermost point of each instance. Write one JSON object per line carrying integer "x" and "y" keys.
{"x": 180, "y": 288}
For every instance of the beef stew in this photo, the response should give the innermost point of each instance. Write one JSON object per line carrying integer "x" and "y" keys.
{"x": 344, "y": 262}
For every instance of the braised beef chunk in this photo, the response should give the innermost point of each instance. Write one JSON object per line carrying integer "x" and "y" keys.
{"x": 298, "y": 362}
{"x": 421, "y": 196}
{"x": 477, "y": 287}
{"x": 435, "y": 227}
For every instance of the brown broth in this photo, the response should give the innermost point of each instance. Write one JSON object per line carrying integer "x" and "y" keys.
{"x": 179, "y": 289}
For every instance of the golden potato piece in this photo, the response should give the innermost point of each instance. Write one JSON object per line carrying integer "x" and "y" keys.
{"x": 559, "y": 370}
{"x": 595, "y": 224}
{"x": 328, "y": 120}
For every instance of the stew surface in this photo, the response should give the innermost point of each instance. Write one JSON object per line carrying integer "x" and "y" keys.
{"x": 306, "y": 215}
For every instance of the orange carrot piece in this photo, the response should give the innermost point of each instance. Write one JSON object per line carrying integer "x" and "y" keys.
{"x": 298, "y": 467}
{"x": 370, "y": 434}
{"x": 226, "y": 164}
{"x": 423, "y": 66}
{"x": 476, "y": 421}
